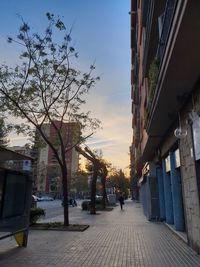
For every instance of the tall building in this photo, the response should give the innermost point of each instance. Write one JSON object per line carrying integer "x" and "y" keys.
{"x": 165, "y": 151}
{"x": 48, "y": 170}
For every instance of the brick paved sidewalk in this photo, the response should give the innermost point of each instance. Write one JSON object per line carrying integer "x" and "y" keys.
{"x": 114, "y": 239}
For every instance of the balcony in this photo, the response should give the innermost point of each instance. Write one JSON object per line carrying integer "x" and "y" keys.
{"x": 178, "y": 69}
{"x": 166, "y": 25}
{"x": 150, "y": 16}
{"x": 133, "y": 5}
{"x": 153, "y": 72}
{"x": 133, "y": 40}
{"x": 133, "y": 14}
{"x": 145, "y": 8}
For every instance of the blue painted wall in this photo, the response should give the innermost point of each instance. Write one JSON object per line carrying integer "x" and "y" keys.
{"x": 168, "y": 195}
{"x": 161, "y": 193}
{"x": 149, "y": 194}
{"x": 144, "y": 196}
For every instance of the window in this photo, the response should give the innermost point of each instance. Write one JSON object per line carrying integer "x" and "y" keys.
{"x": 15, "y": 195}
{"x": 160, "y": 24}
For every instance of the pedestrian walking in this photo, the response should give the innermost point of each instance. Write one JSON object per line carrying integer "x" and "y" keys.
{"x": 121, "y": 201}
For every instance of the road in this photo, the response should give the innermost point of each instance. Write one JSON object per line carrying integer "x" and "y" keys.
{"x": 53, "y": 208}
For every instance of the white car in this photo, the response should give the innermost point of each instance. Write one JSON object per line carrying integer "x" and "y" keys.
{"x": 35, "y": 198}
{"x": 46, "y": 198}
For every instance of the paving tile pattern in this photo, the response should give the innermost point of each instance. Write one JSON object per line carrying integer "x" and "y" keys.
{"x": 114, "y": 239}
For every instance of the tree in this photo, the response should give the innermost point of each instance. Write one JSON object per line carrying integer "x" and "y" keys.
{"x": 89, "y": 155}
{"x": 80, "y": 181}
{"x": 118, "y": 180}
{"x": 103, "y": 174}
{"x": 45, "y": 88}
{"x": 3, "y": 133}
{"x": 98, "y": 167}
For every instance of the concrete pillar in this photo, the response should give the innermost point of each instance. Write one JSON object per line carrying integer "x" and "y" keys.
{"x": 177, "y": 195}
{"x": 168, "y": 195}
{"x": 161, "y": 193}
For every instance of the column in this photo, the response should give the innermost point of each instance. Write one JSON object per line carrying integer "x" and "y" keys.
{"x": 177, "y": 195}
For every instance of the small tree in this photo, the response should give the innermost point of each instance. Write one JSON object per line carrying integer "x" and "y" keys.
{"x": 46, "y": 88}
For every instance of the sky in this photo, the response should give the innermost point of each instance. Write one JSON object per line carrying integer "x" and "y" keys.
{"x": 101, "y": 34}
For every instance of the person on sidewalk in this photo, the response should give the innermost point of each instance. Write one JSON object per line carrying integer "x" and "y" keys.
{"x": 121, "y": 200}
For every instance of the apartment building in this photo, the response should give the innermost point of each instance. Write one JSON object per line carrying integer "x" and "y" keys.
{"x": 165, "y": 150}
{"x": 48, "y": 170}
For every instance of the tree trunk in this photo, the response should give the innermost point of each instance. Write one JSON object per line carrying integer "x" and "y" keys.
{"x": 93, "y": 189}
{"x": 96, "y": 166}
{"x": 103, "y": 183}
{"x": 65, "y": 195}
{"x": 104, "y": 199}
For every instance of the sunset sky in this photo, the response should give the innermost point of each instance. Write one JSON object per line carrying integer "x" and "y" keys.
{"x": 101, "y": 33}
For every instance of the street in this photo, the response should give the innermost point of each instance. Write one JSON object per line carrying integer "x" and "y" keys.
{"x": 54, "y": 208}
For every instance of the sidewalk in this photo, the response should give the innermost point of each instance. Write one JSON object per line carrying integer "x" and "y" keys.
{"x": 114, "y": 239}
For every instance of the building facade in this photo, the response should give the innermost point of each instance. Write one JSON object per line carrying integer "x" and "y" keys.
{"x": 25, "y": 165}
{"x": 48, "y": 170}
{"x": 165, "y": 151}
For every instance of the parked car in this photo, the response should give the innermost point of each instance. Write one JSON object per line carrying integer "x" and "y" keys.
{"x": 99, "y": 197}
{"x": 46, "y": 198}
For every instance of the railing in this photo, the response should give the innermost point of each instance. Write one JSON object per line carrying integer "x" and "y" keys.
{"x": 166, "y": 25}
{"x": 147, "y": 21}
{"x": 155, "y": 65}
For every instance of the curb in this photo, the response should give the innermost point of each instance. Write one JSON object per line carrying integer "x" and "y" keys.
{"x": 181, "y": 235}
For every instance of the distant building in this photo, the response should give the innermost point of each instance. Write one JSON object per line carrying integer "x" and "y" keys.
{"x": 24, "y": 150}
{"x": 165, "y": 87}
{"x": 48, "y": 170}
{"x": 25, "y": 165}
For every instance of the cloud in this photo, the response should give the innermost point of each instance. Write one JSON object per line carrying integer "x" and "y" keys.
{"x": 18, "y": 140}
{"x": 114, "y": 111}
